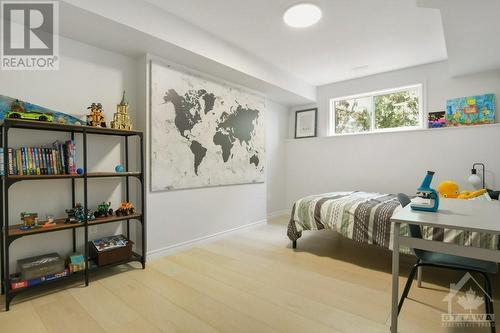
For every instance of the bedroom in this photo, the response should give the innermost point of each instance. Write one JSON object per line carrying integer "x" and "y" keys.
{"x": 213, "y": 191}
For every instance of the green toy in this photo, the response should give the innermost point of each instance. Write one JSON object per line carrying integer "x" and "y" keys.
{"x": 104, "y": 210}
{"x": 17, "y": 111}
{"x": 31, "y": 115}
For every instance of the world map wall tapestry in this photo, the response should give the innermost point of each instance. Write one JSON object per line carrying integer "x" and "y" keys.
{"x": 203, "y": 133}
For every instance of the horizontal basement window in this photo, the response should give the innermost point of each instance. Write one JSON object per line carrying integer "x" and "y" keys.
{"x": 382, "y": 111}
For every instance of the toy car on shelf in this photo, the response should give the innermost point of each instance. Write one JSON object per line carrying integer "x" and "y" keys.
{"x": 103, "y": 210}
{"x": 17, "y": 111}
{"x": 125, "y": 209}
{"x": 31, "y": 115}
{"x": 77, "y": 214}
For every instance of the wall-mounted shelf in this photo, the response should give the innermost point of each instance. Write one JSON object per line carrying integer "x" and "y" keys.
{"x": 9, "y": 233}
{"x": 396, "y": 132}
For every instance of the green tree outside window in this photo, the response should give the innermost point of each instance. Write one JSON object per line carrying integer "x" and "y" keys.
{"x": 397, "y": 110}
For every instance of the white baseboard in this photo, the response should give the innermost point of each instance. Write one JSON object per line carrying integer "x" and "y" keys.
{"x": 278, "y": 213}
{"x": 154, "y": 254}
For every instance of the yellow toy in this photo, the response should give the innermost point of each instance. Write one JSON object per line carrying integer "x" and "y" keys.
{"x": 449, "y": 189}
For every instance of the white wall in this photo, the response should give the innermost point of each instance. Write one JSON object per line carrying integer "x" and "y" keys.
{"x": 276, "y": 134}
{"x": 182, "y": 216}
{"x": 87, "y": 74}
{"x": 394, "y": 162}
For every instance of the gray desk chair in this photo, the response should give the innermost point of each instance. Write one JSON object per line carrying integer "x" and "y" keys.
{"x": 441, "y": 260}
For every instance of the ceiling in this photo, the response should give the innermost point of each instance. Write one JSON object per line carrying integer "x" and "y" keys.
{"x": 471, "y": 29}
{"x": 176, "y": 42}
{"x": 354, "y": 38}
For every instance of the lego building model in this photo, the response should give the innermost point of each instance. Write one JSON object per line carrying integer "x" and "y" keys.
{"x": 121, "y": 119}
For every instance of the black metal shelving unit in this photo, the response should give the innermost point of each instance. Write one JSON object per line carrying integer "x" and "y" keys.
{"x": 10, "y": 233}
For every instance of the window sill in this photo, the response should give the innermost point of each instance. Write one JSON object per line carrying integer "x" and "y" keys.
{"x": 389, "y": 132}
{"x": 393, "y": 130}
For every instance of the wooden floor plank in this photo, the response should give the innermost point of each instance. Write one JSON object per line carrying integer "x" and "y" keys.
{"x": 329, "y": 291}
{"x": 156, "y": 309}
{"x": 60, "y": 312}
{"x": 333, "y": 317}
{"x": 274, "y": 316}
{"x": 110, "y": 312}
{"x": 22, "y": 318}
{"x": 217, "y": 314}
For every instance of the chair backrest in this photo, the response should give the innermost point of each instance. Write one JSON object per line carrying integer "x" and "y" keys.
{"x": 415, "y": 230}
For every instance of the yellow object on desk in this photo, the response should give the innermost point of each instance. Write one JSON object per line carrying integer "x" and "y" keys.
{"x": 449, "y": 189}
{"x": 470, "y": 195}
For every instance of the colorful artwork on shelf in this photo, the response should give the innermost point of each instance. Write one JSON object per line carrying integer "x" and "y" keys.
{"x": 6, "y": 106}
{"x": 437, "y": 119}
{"x": 473, "y": 110}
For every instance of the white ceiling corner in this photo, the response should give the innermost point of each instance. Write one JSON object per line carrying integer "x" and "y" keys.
{"x": 472, "y": 30}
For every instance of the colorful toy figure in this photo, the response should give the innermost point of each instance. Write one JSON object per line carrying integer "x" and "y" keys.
{"x": 77, "y": 214}
{"x": 96, "y": 116}
{"x": 30, "y": 221}
{"x": 49, "y": 221}
{"x": 429, "y": 195}
{"x": 121, "y": 119}
{"x": 103, "y": 210}
{"x": 125, "y": 209}
{"x": 76, "y": 262}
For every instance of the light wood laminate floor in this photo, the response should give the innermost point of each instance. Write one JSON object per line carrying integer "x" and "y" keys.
{"x": 250, "y": 281}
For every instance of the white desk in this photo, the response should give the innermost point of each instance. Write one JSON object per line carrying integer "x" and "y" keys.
{"x": 470, "y": 215}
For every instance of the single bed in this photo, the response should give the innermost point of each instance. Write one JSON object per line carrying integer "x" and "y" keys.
{"x": 365, "y": 217}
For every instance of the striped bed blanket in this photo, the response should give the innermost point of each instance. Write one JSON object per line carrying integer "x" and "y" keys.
{"x": 365, "y": 217}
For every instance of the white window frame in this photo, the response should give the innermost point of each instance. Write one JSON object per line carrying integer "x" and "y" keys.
{"x": 373, "y": 94}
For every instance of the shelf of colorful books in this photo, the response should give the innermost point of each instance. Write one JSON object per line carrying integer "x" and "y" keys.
{"x": 58, "y": 160}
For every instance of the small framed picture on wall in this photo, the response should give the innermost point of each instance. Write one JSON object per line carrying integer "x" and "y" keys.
{"x": 305, "y": 123}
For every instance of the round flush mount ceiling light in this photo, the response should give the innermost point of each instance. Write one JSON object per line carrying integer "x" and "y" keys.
{"x": 302, "y": 15}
